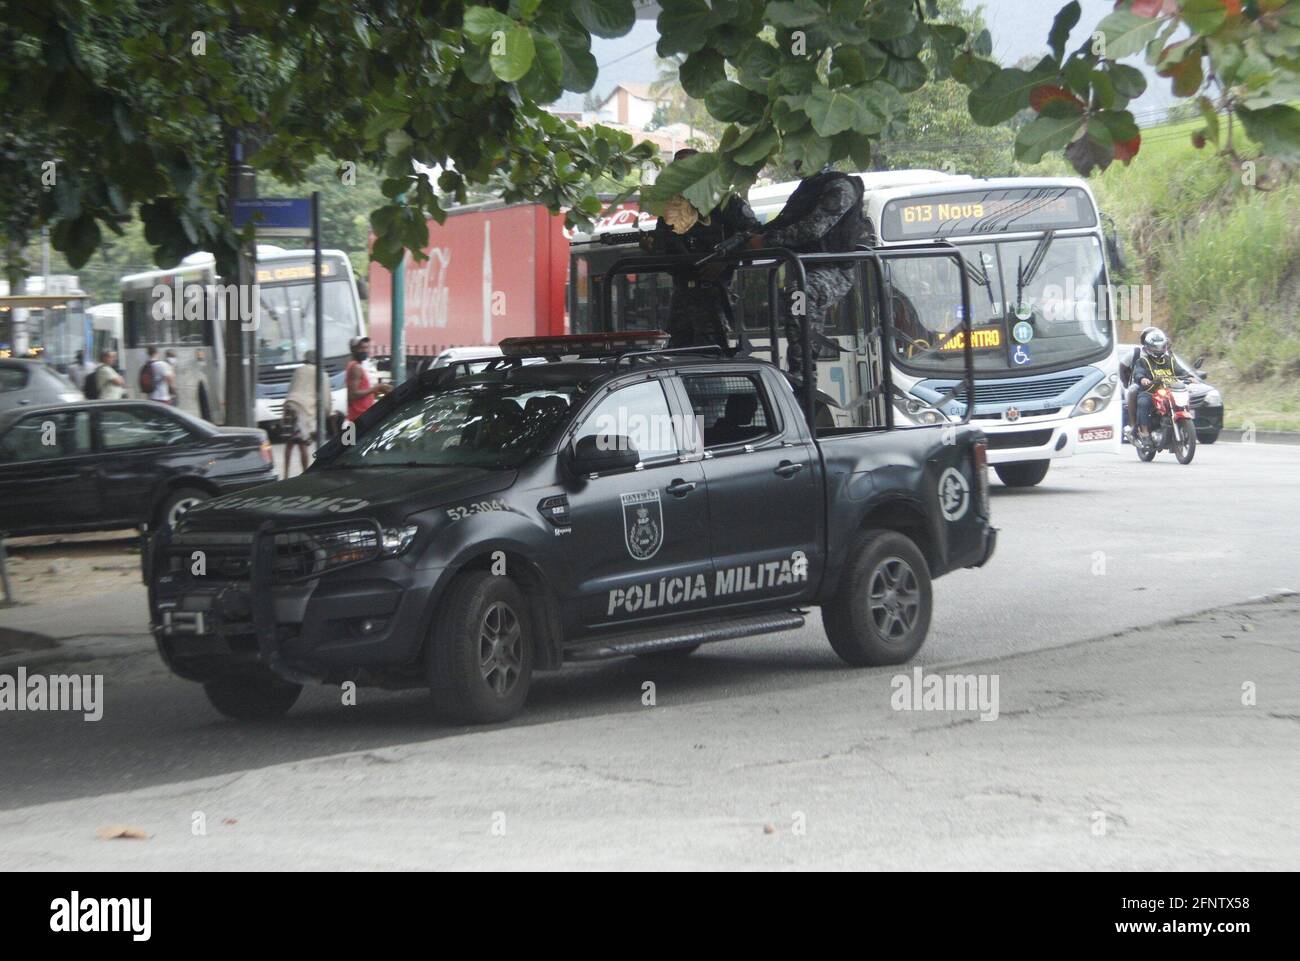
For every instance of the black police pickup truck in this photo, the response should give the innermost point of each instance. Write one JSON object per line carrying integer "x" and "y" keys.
{"x": 481, "y": 526}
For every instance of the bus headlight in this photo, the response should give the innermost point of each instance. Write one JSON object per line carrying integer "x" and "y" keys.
{"x": 919, "y": 412}
{"x": 1096, "y": 399}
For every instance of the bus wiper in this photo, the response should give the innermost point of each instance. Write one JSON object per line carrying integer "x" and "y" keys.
{"x": 1026, "y": 272}
{"x": 978, "y": 276}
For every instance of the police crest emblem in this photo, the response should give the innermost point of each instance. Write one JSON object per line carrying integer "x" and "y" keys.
{"x": 643, "y": 524}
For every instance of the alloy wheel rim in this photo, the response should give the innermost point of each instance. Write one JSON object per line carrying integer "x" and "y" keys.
{"x": 894, "y": 598}
{"x": 180, "y": 507}
{"x": 500, "y": 648}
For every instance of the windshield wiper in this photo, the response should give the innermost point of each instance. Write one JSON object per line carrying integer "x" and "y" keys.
{"x": 978, "y": 276}
{"x": 1025, "y": 272}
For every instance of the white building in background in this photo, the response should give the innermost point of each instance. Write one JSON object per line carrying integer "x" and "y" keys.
{"x": 629, "y": 104}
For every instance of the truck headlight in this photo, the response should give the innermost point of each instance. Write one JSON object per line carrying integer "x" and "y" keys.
{"x": 1213, "y": 398}
{"x": 398, "y": 539}
{"x": 1096, "y": 399}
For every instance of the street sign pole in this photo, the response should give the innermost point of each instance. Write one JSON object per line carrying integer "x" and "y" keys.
{"x": 322, "y": 396}
{"x": 397, "y": 312}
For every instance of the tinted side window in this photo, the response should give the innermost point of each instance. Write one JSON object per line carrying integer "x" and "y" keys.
{"x": 731, "y": 408}
{"x": 12, "y": 378}
{"x": 641, "y": 414}
{"x": 46, "y": 437}
{"x": 128, "y": 429}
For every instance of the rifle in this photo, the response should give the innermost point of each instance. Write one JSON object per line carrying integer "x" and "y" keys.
{"x": 609, "y": 240}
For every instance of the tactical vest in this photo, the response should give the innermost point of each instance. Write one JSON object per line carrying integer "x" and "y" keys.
{"x": 849, "y": 231}
{"x": 1164, "y": 370}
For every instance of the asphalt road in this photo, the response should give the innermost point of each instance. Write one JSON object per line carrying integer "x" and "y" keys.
{"x": 1105, "y": 544}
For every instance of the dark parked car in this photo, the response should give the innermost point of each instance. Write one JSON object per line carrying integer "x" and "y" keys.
{"x": 30, "y": 383}
{"x": 1207, "y": 402}
{"x": 101, "y": 465}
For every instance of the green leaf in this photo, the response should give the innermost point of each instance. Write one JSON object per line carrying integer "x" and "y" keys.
{"x": 1129, "y": 81}
{"x": 834, "y": 111}
{"x": 700, "y": 71}
{"x": 808, "y": 147}
{"x": 1204, "y": 16}
{"x": 756, "y": 62}
{"x": 757, "y": 147}
{"x": 798, "y": 13}
{"x": 891, "y": 19}
{"x": 1119, "y": 123}
{"x": 697, "y": 178}
{"x": 1211, "y": 117}
{"x": 1066, "y": 20}
{"x": 481, "y": 22}
{"x": 605, "y": 18}
{"x": 732, "y": 103}
{"x": 579, "y": 66}
{"x": 683, "y": 27}
{"x": 1002, "y": 96}
{"x": 906, "y": 75}
{"x": 1126, "y": 33}
{"x": 1047, "y": 133}
{"x": 971, "y": 70}
{"x": 1276, "y": 129}
{"x": 511, "y": 53}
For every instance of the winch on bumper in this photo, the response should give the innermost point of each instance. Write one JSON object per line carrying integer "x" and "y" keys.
{"x": 310, "y": 603}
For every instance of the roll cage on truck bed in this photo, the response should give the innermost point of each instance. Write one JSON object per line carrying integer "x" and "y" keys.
{"x": 400, "y": 560}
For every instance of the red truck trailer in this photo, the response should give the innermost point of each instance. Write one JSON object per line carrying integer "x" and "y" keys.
{"x": 494, "y": 270}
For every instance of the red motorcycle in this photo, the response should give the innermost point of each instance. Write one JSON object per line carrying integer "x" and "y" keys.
{"x": 1173, "y": 424}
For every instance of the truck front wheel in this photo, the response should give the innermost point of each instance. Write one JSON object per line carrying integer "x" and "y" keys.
{"x": 881, "y": 612}
{"x": 480, "y": 656}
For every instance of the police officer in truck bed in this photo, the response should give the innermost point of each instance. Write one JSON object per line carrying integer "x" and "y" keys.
{"x": 701, "y": 298}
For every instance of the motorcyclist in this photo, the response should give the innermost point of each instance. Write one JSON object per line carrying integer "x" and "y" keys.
{"x": 1153, "y": 368}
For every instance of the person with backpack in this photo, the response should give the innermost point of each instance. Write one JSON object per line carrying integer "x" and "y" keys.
{"x": 823, "y": 215}
{"x": 104, "y": 382}
{"x": 157, "y": 381}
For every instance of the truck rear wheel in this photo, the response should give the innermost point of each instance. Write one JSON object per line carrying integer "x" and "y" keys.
{"x": 252, "y": 697}
{"x": 1024, "y": 473}
{"x": 480, "y": 656}
{"x": 881, "y": 612}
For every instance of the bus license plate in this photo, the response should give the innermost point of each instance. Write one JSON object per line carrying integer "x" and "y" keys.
{"x": 1096, "y": 433}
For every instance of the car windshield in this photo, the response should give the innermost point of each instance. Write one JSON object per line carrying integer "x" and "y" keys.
{"x": 474, "y": 425}
{"x": 1033, "y": 305}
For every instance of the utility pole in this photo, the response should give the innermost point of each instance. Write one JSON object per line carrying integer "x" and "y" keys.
{"x": 241, "y": 344}
{"x": 397, "y": 313}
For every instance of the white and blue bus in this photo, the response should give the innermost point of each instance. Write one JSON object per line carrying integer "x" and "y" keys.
{"x": 1043, "y": 335}
{"x": 156, "y": 312}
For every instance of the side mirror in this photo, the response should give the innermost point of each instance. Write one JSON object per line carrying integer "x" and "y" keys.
{"x": 597, "y": 454}
{"x": 1115, "y": 251}
{"x": 363, "y": 288}
{"x": 1198, "y": 363}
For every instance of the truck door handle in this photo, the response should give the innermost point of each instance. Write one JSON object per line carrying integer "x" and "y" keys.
{"x": 787, "y": 469}
{"x": 680, "y": 488}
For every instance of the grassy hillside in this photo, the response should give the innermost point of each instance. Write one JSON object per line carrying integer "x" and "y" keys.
{"x": 1223, "y": 261}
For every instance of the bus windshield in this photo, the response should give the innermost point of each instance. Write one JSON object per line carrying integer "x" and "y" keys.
{"x": 286, "y": 330}
{"x": 1026, "y": 315}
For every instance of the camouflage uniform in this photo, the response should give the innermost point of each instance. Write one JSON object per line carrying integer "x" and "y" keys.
{"x": 696, "y": 317}
{"x": 826, "y": 284}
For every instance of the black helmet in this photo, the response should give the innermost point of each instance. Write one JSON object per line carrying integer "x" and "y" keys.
{"x": 1155, "y": 343}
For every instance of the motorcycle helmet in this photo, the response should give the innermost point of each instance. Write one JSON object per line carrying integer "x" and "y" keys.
{"x": 1154, "y": 343}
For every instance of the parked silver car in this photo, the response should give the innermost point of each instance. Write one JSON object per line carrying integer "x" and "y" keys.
{"x": 30, "y": 383}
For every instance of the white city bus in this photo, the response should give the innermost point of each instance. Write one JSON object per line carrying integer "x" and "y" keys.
{"x": 156, "y": 314}
{"x": 1043, "y": 331}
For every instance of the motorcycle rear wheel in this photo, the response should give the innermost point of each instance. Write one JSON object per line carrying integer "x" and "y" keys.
{"x": 1146, "y": 449}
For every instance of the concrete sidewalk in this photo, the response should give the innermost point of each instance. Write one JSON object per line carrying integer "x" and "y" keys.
{"x": 1128, "y": 752}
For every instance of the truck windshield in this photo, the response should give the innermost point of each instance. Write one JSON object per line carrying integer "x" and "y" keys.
{"x": 478, "y": 425}
{"x": 1021, "y": 320}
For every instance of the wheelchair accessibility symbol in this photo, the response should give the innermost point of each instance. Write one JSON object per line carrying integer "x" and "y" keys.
{"x": 1020, "y": 356}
